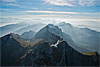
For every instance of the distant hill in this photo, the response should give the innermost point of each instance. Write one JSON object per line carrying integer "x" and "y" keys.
{"x": 28, "y": 35}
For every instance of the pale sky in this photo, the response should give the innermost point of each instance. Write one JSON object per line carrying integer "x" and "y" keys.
{"x": 49, "y": 11}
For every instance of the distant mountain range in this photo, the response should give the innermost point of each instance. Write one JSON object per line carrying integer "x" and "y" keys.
{"x": 34, "y": 27}
{"x": 50, "y": 28}
{"x": 83, "y": 37}
{"x": 19, "y": 28}
{"x": 11, "y": 28}
{"x": 50, "y": 46}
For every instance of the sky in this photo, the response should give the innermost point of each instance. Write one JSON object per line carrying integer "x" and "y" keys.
{"x": 49, "y": 11}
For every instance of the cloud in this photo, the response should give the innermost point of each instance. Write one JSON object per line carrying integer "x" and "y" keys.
{"x": 58, "y": 2}
{"x": 11, "y": 4}
{"x": 66, "y": 18}
{"x": 87, "y": 2}
{"x": 8, "y": 0}
{"x": 3, "y": 9}
{"x": 52, "y": 12}
{"x": 72, "y": 3}
{"x": 59, "y": 12}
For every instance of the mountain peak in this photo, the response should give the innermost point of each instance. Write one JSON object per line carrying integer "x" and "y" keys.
{"x": 49, "y": 32}
{"x": 52, "y": 26}
{"x": 64, "y": 23}
{"x": 53, "y": 29}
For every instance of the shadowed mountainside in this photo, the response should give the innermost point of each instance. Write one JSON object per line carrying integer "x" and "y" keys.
{"x": 49, "y": 47}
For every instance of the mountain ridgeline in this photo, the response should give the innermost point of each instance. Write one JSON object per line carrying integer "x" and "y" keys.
{"x": 50, "y": 46}
{"x": 84, "y": 37}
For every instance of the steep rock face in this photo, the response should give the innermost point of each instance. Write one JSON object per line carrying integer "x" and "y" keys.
{"x": 11, "y": 50}
{"x": 38, "y": 57}
{"x": 47, "y": 34}
{"x": 69, "y": 29}
{"x": 50, "y": 33}
{"x": 50, "y": 28}
{"x": 44, "y": 54}
{"x": 54, "y": 29}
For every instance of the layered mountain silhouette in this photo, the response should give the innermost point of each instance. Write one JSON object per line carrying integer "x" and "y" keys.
{"x": 47, "y": 30}
{"x": 83, "y": 37}
{"x": 48, "y": 47}
{"x": 20, "y": 28}
{"x": 11, "y": 28}
{"x": 69, "y": 29}
{"x": 34, "y": 27}
{"x": 44, "y": 54}
{"x": 89, "y": 38}
{"x": 54, "y": 51}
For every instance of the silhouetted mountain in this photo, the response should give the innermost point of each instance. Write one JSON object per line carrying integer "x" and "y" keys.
{"x": 28, "y": 35}
{"x": 49, "y": 47}
{"x": 57, "y": 54}
{"x": 48, "y": 33}
{"x": 11, "y": 49}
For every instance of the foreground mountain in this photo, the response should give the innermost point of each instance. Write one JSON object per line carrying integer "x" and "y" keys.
{"x": 83, "y": 37}
{"x": 49, "y": 47}
{"x": 57, "y": 54}
{"x": 11, "y": 49}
